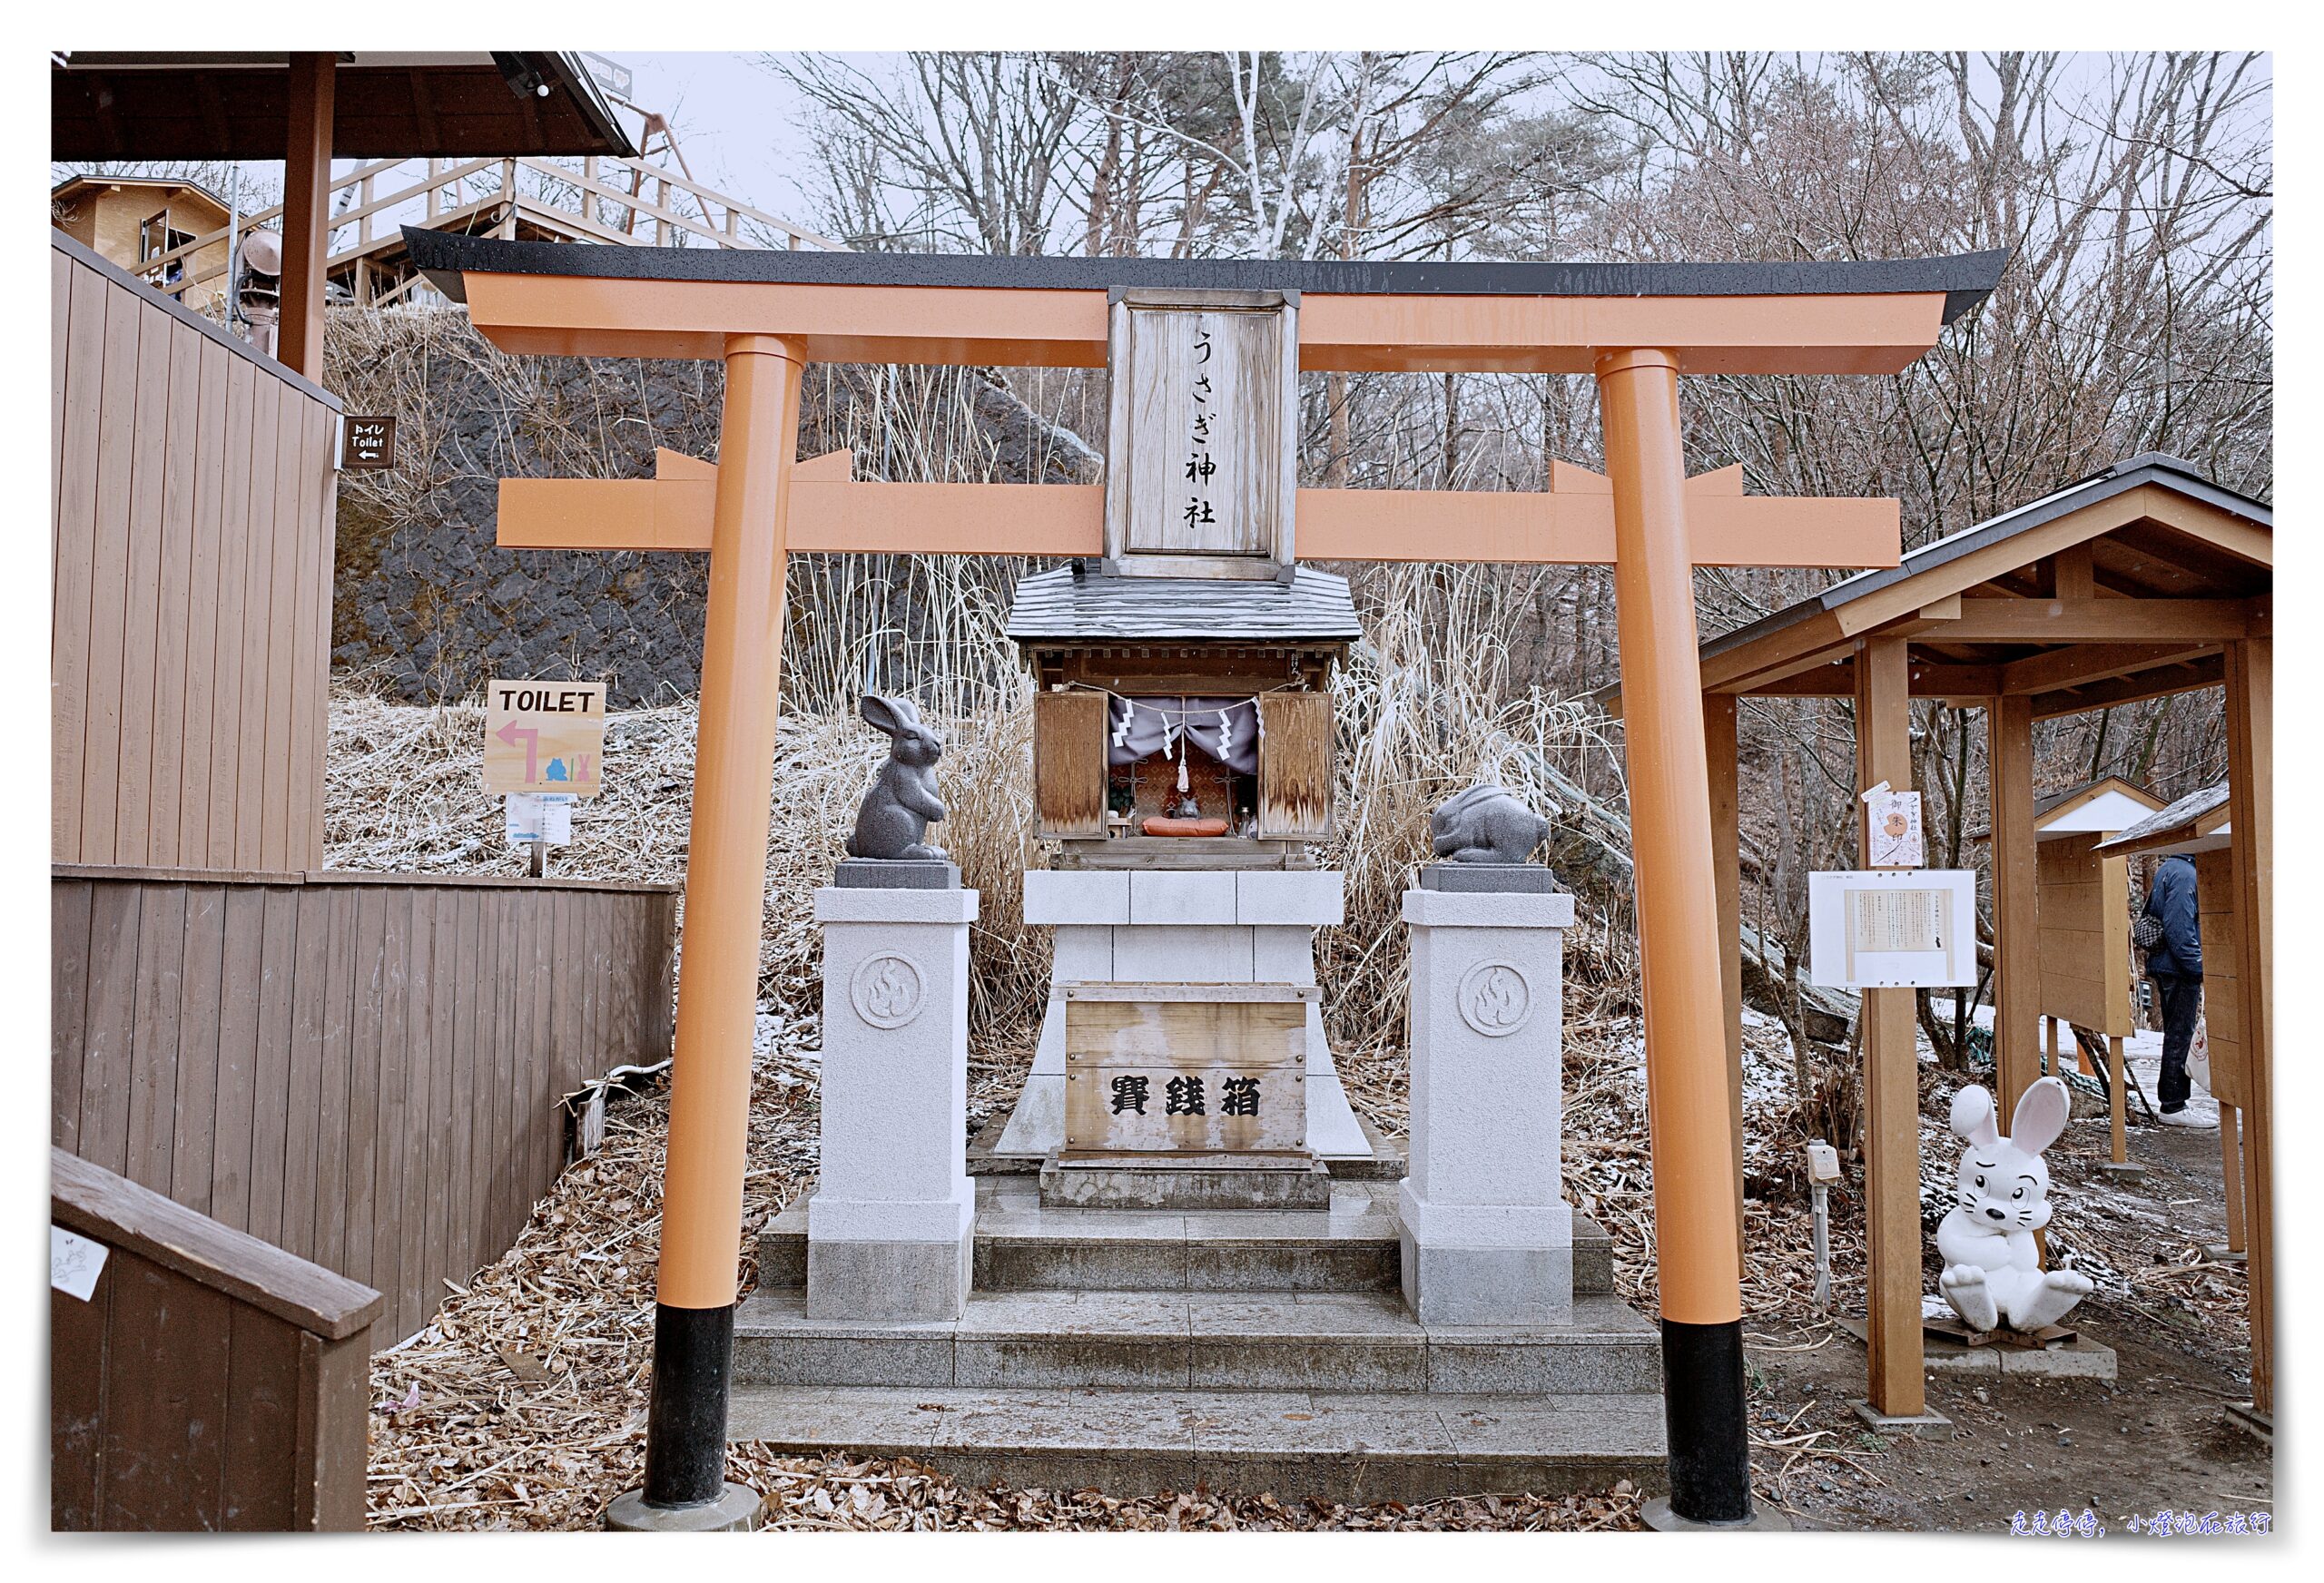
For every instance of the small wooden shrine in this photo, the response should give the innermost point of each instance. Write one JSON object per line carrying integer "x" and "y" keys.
{"x": 1182, "y": 723}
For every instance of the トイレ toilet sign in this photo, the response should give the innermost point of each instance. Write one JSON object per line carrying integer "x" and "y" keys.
{"x": 543, "y": 736}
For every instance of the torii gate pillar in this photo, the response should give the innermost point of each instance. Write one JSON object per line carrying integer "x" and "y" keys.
{"x": 1688, "y": 1119}
{"x": 710, "y": 1082}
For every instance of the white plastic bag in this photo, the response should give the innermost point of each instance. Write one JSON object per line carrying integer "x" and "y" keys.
{"x": 2199, "y": 1057}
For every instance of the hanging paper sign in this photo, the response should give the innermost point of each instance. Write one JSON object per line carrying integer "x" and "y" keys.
{"x": 74, "y": 1263}
{"x": 1893, "y": 828}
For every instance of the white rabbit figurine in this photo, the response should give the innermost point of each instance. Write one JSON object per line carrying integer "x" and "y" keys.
{"x": 1993, "y": 1273}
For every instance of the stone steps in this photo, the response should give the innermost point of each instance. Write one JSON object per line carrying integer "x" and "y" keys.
{"x": 1199, "y": 1341}
{"x": 1333, "y": 1445}
{"x": 1022, "y": 1247}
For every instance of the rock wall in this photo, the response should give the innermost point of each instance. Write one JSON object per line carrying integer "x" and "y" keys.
{"x": 426, "y": 607}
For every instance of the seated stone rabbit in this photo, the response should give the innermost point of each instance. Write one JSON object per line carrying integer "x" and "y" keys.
{"x": 1993, "y": 1273}
{"x": 1485, "y": 824}
{"x": 893, "y": 819}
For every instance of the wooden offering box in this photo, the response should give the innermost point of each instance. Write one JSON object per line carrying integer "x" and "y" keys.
{"x": 1186, "y": 1069}
{"x": 1143, "y": 679}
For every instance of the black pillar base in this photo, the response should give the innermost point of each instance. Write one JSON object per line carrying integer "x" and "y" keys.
{"x": 685, "y": 1427}
{"x": 1703, "y": 1408}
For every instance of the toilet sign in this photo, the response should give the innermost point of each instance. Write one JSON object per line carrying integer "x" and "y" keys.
{"x": 543, "y": 736}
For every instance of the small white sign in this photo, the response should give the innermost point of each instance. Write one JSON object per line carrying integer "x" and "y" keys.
{"x": 74, "y": 1263}
{"x": 1892, "y": 822}
{"x": 546, "y": 817}
{"x": 1869, "y": 929}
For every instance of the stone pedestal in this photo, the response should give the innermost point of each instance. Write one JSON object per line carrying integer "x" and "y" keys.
{"x": 1487, "y": 1235}
{"x": 890, "y": 1228}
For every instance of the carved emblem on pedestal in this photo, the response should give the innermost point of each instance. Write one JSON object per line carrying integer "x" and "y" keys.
{"x": 1494, "y": 999}
{"x": 887, "y": 990}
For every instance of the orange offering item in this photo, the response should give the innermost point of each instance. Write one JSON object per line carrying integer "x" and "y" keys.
{"x": 1159, "y": 825}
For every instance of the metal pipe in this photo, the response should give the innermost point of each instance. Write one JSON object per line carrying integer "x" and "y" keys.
{"x": 1689, "y": 1121}
{"x": 702, "y": 1191}
{"x": 1820, "y": 1195}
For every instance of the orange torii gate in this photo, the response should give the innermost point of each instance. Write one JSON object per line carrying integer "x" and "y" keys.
{"x": 1636, "y": 327}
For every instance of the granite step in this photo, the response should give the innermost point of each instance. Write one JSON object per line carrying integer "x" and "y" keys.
{"x": 1021, "y": 1247}
{"x": 1199, "y": 1341}
{"x": 1299, "y": 1445}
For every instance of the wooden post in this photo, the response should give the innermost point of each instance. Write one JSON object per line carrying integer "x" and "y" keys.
{"x": 1688, "y": 1119}
{"x": 2250, "y": 777}
{"x": 434, "y": 194}
{"x": 1719, "y": 751}
{"x": 363, "y": 202}
{"x": 2231, "y": 1176}
{"x": 2017, "y": 945}
{"x": 2117, "y": 1073}
{"x": 710, "y": 1094}
{"x": 1892, "y": 1102}
{"x": 306, "y": 211}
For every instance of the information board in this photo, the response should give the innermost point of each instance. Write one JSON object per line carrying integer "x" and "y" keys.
{"x": 1887, "y": 929}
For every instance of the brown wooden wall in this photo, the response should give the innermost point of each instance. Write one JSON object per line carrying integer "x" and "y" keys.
{"x": 192, "y": 510}
{"x": 2222, "y": 970}
{"x": 209, "y": 1382}
{"x": 2084, "y": 902}
{"x": 362, "y": 1069}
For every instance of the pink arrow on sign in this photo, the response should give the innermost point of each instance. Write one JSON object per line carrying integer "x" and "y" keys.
{"x": 512, "y": 733}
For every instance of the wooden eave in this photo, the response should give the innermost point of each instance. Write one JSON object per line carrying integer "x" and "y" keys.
{"x": 2127, "y": 597}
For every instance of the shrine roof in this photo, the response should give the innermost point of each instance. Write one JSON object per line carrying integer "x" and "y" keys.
{"x": 1965, "y": 278}
{"x": 2148, "y": 468}
{"x": 2182, "y": 823}
{"x": 1075, "y": 606}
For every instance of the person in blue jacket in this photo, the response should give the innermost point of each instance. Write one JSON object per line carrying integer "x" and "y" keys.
{"x": 2175, "y": 964}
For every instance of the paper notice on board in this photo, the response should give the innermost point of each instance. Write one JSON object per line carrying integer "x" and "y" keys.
{"x": 1890, "y": 921}
{"x": 74, "y": 1263}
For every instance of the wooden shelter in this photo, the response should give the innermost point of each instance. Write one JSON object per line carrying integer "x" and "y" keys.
{"x": 2144, "y": 580}
{"x": 306, "y": 109}
{"x": 2200, "y": 826}
{"x": 2084, "y": 902}
{"x": 168, "y": 229}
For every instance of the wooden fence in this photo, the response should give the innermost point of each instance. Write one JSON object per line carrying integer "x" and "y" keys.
{"x": 207, "y": 1382}
{"x": 194, "y": 497}
{"x": 363, "y": 1069}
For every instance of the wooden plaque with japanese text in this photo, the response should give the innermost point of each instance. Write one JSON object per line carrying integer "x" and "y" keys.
{"x": 1186, "y": 1069}
{"x": 1201, "y": 472}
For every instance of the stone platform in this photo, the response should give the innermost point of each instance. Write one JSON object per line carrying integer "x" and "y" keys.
{"x": 1139, "y": 1351}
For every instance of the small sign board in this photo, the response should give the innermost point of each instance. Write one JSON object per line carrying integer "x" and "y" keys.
{"x": 1873, "y": 929}
{"x": 545, "y": 818}
{"x": 368, "y": 445}
{"x": 543, "y": 736}
{"x": 1201, "y": 463}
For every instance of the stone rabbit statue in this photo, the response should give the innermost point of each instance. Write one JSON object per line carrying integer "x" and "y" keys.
{"x": 892, "y": 821}
{"x": 1993, "y": 1273}
{"x": 1485, "y": 824}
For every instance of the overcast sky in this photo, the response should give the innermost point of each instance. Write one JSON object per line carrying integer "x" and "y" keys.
{"x": 735, "y": 121}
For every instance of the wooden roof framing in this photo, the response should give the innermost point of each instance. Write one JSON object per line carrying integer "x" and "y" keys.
{"x": 2122, "y": 587}
{"x": 165, "y": 104}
